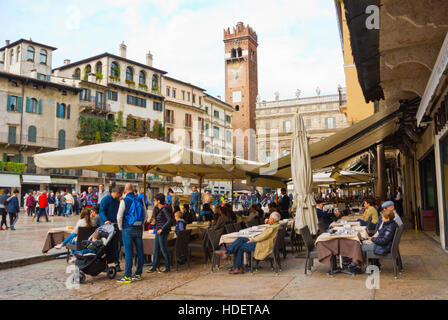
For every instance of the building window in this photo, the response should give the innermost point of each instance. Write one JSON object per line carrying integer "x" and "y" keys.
{"x": 60, "y": 110}
{"x": 229, "y": 136}
{"x": 14, "y": 84}
{"x": 61, "y": 139}
{"x": 308, "y": 123}
{"x": 206, "y": 110}
{"x": 129, "y": 74}
{"x": 268, "y": 125}
{"x": 200, "y": 101}
{"x": 216, "y": 132}
{"x": 287, "y": 126}
{"x": 330, "y": 123}
{"x": 188, "y": 96}
{"x": 30, "y": 54}
{"x": 32, "y": 134}
{"x": 268, "y": 157}
{"x": 167, "y": 92}
{"x": 13, "y": 103}
{"x": 174, "y": 93}
{"x": 12, "y": 134}
{"x": 194, "y": 98}
{"x": 170, "y": 116}
{"x": 157, "y": 106}
{"x": 114, "y": 70}
{"x": 216, "y": 114}
{"x": 99, "y": 99}
{"x": 183, "y": 95}
{"x": 142, "y": 77}
{"x": 155, "y": 82}
{"x": 216, "y": 151}
{"x": 43, "y": 56}
{"x": 233, "y": 53}
{"x": 33, "y": 106}
{"x": 136, "y": 101}
{"x": 87, "y": 70}
{"x": 11, "y": 60}
{"x": 207, "y": 127}
{"x": 240, "y": 52}
{"x": 228, "y": 118}
{"x": 99, "y": 67}
{"x": 188, "y": 120}
{"x": 77, "y": 74}
{"x": 113, "y": 95}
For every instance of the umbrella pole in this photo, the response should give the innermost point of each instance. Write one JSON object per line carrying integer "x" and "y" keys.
{"x": 231, "y": 195}
{"x": 200, "y": 194}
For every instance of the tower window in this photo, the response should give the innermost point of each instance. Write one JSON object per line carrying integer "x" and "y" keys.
{"x": 237, "y": 108}
{"x": 233, "y": 53}
{"x": 240, "y": 52}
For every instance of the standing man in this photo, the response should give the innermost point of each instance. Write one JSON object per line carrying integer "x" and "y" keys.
{"x": 194, "y": 200}
{"x": 43, "y": 203}
{"x": 108, "y": 215}
{"x": 91, "y": 199}
{"x": 69, "y": 203}
{"x": 284, "y": 203}
{"x": 163, "y": 227}
{"x": 132, "y": 234}
{"x": 13, "y": 209}
{"x": 51, "y": 203}
{"x": 3, "y": 198}
{"x": 102, "y": 193}
{"x": 77, "y": 203}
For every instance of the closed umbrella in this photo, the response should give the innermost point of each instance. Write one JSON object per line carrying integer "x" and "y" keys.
{"x": 302, "y": 177}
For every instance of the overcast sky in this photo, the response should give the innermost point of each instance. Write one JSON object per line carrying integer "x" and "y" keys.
{"x": 299, "y": 45}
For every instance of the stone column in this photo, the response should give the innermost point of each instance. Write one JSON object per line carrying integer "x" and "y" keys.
{"x": 380, "y": 188}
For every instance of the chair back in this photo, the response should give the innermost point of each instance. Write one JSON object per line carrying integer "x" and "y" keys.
{"x": 307, "y": 239}
{"x": 396, "y": 241}
{"x": 211, "y": 237}
{"x": 278, "y": 242}
{"x": 181, "y": 246}
{"x": 230, "y": 228}
{"x": 237, "y": 227}
{"x": 84, "y": 233}
{"x": 369, "y": 223}
{"x": 252, "y": 223}
{"x": 322, "y": 226}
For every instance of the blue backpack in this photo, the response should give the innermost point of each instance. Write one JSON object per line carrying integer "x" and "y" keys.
{"x": 136, "y": 214}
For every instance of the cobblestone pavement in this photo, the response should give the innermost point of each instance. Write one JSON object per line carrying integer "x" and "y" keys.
{"x": 29, "y": 236}
{"x": 425, "y": 276}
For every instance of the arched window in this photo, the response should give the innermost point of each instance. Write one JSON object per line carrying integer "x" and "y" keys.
{"x": 142, "y": 77}
{"x": 33, "y": 106}
{"x": 240, "y": 52}
{"x": 77, "y": 74}
{"x": 61, "y": 139}
{"x": 155, "y": 82}
{"x": 99, "y": 67}
{"x": 61, "y": 111}
{"x": 30, "y": 54}
{"x": 88, "y": 70}
{"x": 129, "y": 74}
{"x": 12, "y": 56}
{"x": 237, "y": 108}
{"x": 43, "y": 56}
{"x": 114, "y": 69}
{"x": 31, "y": 134}
{"x": 233, "y": 53}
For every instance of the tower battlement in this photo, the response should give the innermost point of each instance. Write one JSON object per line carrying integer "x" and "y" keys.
{"x": 240, "y": 30}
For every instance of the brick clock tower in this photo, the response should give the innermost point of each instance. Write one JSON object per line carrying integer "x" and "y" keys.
{"x": 242, "y": 82}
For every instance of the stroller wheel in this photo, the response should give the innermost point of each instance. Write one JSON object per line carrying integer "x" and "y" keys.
{"x": 111, "y": 272}
{"x": 82, "y": 277}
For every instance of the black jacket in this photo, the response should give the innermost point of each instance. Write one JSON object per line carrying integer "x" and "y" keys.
{"x": 164, "y": 219}
{"x": 383, "y": 243}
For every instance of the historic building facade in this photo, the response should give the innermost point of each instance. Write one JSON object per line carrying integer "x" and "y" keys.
{"x": 322, "y": 116}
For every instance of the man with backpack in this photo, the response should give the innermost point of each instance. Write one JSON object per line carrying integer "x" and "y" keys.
{"x": 163, "y": 226}
{"x": 13, "y": 209}
{"x": 130, "y": 218}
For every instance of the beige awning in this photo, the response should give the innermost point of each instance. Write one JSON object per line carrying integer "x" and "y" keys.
{"x": 342, "y": 145}
{"x": 9, "y": 180}
{"x": 36, "y": 179}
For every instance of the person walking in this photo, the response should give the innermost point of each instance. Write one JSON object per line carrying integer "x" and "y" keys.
{"x": 77, "y": 203}
{"x": 31, "y": 204}
{"x": 51, "y": 204}
{"x": 3, "y": 197}
{"x": 43, "y": 203}
{"x": 69, "y": 202}
{"x": 130, "y": 218}
{"x": 194, "y": 199}
{"x": 163, "y": 227}
{"x": 13, "y": 209}
{"x": 91, "y": 199}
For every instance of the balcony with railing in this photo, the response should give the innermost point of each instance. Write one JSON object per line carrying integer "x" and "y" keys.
{"x": 94, "y": 106}
{"x": 35, "y": 142}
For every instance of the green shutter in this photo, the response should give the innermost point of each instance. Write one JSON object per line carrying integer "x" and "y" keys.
{"x": 8, "y": 106}
{"x": 104, "y": 100}
{"x": 19, "y": 105}
{"x": 48, "y": 78}
{"x": 28, "y": 104}
{"x": 39, "y": 111}
{"x": 17, "y": 158}
{"x": 90, "y": 95}
{"x": 68, "y": 112}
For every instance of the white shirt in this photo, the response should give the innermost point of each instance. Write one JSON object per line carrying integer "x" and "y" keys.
{"x": 120, "y": 214}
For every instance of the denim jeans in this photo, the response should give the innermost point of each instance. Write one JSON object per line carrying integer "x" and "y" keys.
{"x": 364, "y": 223}
{"x": 69, "y": 239}
{"x": 133, "y": 236}
{"x": 160, "y": 244}
{"x": 193, "y": 207}
{"x": 236, "y": 245}
{"x": 42, "y": 211}
{"x": 68, "y": 209}
{"x": 13, "y": 217}
{"x": 245, "y": 247}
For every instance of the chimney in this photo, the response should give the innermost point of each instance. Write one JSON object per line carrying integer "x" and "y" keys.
{"x": 219, "y": 97}
{"x": 123, "y": 48}
{"x": 7, "y": 42}
{"x": 66, "y": 62}
{"x": 149, "y": 59}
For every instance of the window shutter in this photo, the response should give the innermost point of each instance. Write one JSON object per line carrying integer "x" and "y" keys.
{"x": 68, "y": 112}
{"x": 90, "y": 95}
{"x": 160, "y": 106}
{"x": 104, "y": 101}
{"x": 48, "y": 78}
{"x": 57, "y": 110}
{"x": 8, "y": 106}
{"x": 154, "y": 105}
{"x": 19, "y": 104}
{"x": 17, "y": 158}
{"x": 28, "y": 104}
{"x": 21, "y": 158}
{"x": 39, "y": 111}
{"x": 38, "y": 76}
{"x": 5, "y": 157}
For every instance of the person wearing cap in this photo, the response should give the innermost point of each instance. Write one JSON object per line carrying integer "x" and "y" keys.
{"x": 389, "y": 205}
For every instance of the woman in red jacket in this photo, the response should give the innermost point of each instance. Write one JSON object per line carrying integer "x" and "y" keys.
{"x": 43, "y": 204}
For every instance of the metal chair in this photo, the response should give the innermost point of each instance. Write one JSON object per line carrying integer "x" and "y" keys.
{"x": 200, "y": 246}
{"x": 237, "y": 227}
{"x": 217, "y": 251}
{"x": 394, "y": 253}
{"x": 252, "y": 223}
{"x": 230, "y": 228}
{"x": 322, "y": 226}
{"x": 274, "y": 256}
{"x": 84, "y": 233}
{"x": 181, "y": 248}
{"x": 311, "y": 250}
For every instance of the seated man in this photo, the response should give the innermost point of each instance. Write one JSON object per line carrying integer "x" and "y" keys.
{"x": 388, "y": 205}
{"x": 206, "y": 213}
{"x": 327, "y": 216}
{"x": 261, "y": 245}
{"x": 370, "y": 212}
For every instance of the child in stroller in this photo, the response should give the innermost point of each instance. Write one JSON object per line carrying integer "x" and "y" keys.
{"x": 98, "y": 252}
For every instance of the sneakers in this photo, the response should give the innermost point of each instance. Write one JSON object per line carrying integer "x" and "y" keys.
{"x": 136, "y": 277}
{"x": 152, "y": 270}
{"x": 125, "y": 280}
{"x": 58, "y": 246}
{"x": 165, "y": 270}
{"x": 72, "y": 259}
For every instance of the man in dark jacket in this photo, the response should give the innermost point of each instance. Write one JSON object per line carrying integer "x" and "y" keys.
{"x": 284, "y": 203}
{"x": 3, "y": 197}
{"x": 13, "y": 209}
{"x": 163, "y": 227}
{"x": 108, "y": 215}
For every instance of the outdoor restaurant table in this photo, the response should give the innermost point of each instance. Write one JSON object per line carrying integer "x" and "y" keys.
{"x": 250, "y": 233}
{"x": 55, "y": 236}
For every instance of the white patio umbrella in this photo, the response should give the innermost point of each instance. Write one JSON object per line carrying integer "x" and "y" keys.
{"x": 302, "y": 177}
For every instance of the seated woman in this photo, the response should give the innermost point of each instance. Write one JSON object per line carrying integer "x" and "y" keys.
{"x": 85, "y": 220}
{"x": 187, "y": 214}
{"x": 261, "y": 245}
{"x": 370, "y": 212}
{"x": 221, "y": 219}
{"x": 253, "y": 215}
{"x": 206, "y": 213}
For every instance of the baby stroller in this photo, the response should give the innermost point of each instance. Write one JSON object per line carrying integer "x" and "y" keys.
{"x": 95, "y": 263}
